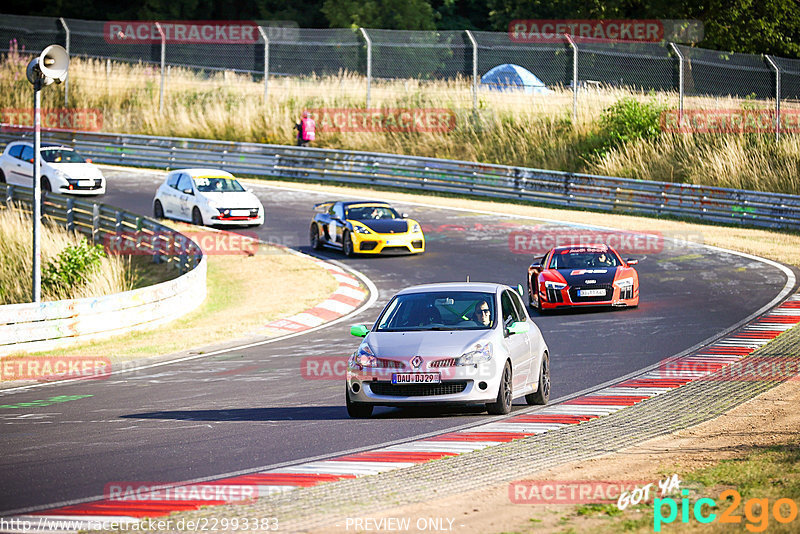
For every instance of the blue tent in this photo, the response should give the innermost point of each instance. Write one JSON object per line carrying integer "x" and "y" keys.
{"x": 507, "y": 77}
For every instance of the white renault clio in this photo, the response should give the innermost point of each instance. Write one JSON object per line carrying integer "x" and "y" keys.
{"x": 207, "y": 196}
{"x": 450, "y": 344}
{"x": 63, "y": 170}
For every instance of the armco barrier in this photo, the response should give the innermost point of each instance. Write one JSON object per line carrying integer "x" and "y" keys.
{"x": 46, "y": 325}
{"x": 715, "y": 204}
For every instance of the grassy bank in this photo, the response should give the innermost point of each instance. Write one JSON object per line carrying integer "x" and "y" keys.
{"x": 71, "y": 268}
{"x": 515, "y": 129}
{"x": 233, "y": 280}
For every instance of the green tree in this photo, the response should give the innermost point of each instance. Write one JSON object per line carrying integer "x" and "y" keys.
{"x": 387, "y": 14}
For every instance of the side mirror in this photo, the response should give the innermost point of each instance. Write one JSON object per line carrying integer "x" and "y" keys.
{"x": 359, "y": 330}
{"x": 520, "y": 327}
{"x": 188, "y": 191}
{"x": 520, "y": 290}
{"x": 631, "y": 261}
{"x": 404, "y": 215}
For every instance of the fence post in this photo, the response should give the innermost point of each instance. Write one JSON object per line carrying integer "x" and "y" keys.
{"x": 66, "y": 42}
{"x": 680, "y": 81}
{"x": 474, "y": 73}
{"x": 266, "y": 60}
{"x": 369, "y": 62}
{"x": 777, "y": 97}
{"x": 9, "y": 194}
{"x": 163, "y": 71}
{"x": 71, "y": 214}
{"x": 574, "y": 79}
{"x": 95, "y": 222}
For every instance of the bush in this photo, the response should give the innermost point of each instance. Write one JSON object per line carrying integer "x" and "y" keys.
{"x": 626, "y": 121}
{"x": 71, "y": 267}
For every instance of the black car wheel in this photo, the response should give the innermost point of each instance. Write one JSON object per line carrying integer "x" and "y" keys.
{"x": 197, "y": 217}
{"x": 2, "y": 177}
{"x": 313, "y": 237}
{"x": 503, "y": 404}
{"x": 357, "y": 410}
{"x": 347, "y": 245}
{"x": 46, "y": 185}
{"x": 158, "y": 210}
{"x": 542, "y": 395}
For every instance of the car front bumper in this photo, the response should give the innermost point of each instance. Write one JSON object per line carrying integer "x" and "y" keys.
{"x": 388, "y": 243}
{"x": 463, "y": 385}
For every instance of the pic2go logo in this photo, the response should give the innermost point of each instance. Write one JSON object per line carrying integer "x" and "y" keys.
{"x": 756, "y": 511}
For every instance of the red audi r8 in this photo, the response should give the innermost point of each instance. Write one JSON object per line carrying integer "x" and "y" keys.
{"x": 582, "y": 275}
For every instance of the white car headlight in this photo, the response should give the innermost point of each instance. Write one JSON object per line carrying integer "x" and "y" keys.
{"x": 364, "y": 357}
{"x": 478, "y": 354}
{"x": 554, "y": 285}
{"x": 624, "y": 283}
{"x": 361, "y": 229}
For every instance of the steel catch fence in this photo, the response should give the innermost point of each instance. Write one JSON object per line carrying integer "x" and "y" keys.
{"x": 427, "y": 56}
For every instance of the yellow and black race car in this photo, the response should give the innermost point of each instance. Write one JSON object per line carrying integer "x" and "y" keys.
{"x": 364, "y": 227}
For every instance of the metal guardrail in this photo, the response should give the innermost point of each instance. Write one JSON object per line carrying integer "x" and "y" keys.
{"x": 34, "y": 326}
{"x": 114, "y": 228}
{"x": 573, "y": 190}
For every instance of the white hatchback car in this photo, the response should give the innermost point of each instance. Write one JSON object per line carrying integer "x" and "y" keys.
{"x": 207, "y": 196}
{"x": 449, "y": 343}
{"x": 64, "y": 170}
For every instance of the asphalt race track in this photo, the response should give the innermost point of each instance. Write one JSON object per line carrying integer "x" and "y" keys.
{"x": 252, "y": 408}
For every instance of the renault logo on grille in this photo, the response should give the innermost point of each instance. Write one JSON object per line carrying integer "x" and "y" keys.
{"x": 416, "y": 361}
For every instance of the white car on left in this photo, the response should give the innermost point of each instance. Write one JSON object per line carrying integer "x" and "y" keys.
{"x": 207, "y": 197}
{"x": 64, "y": 170}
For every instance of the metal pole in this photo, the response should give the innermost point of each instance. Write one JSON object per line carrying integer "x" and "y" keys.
{"x": 266, "y": 60}
{"x": 777, "y": 98}
{"x": 66, "y": 82}
{"x": 574, "y": 79}
{"x": 680, "y": 82}
{"x": 163, "y": 71}
{"x": 37, "y": 193}
{"x": 369, "y": 62}
{"x": 474, "y": 73}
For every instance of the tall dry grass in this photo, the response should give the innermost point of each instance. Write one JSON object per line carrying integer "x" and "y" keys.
{"x": 16, "y": 262}
{"x": 512, "y": 128}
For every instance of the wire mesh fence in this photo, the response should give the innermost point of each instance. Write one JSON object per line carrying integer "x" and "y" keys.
{"x": 397, "y": 67}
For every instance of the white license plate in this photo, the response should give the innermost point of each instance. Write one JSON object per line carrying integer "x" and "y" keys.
{"x": 416, "y": 378}
{"x": 240, "y": 213}
{"x": 85, "y": 183}
{"x": 395, "y": 243}
{"x": 591, "y": 292}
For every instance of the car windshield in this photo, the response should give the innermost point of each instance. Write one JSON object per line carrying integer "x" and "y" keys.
{"x": 60, "y": 155}
{"x": 367, "y": 213}
{"x": 439, "y": 310}
{"x": 217, "y": 184}
{"x": 582, "y": 258}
